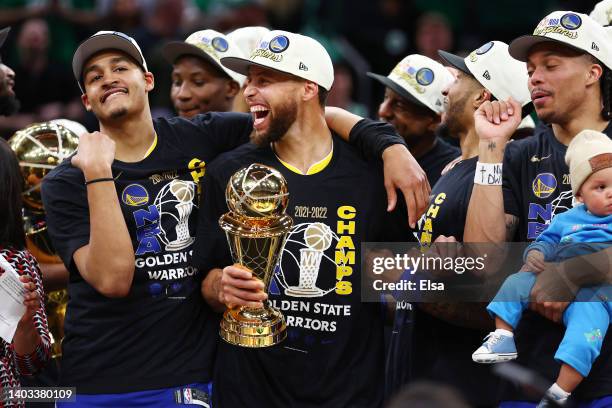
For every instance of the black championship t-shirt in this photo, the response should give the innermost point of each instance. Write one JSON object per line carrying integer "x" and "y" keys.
{"x": 422, "y": 346}
{"x": 448, "y": 204}
{"x": 333, "y": 355}
{"x": 434, "y": 161}
{"x": 162, "y": 334}
{"x": 536, "y": 188}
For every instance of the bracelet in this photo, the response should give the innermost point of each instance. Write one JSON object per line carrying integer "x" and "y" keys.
{"x": 488, "y": 174}
{"x": 99, "y": 180}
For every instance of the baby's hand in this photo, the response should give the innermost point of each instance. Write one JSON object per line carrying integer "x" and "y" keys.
{"x": 534, "y": 262}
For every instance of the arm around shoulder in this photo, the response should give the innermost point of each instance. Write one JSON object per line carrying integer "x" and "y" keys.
{"x": 224, "y": 131}
{"x": 341, "y": 121}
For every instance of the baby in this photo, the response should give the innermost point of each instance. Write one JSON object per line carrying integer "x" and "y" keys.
{"x": 583, "y": 229}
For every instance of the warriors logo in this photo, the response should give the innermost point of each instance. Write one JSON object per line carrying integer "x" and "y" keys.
{"x": 571, "y": 21}
{"x": 485, "y": 48}
{"x": 220, "y": 44}
{"x": 424, "y": 76}
{"x": 279, "y": 44}
{"x": 135, "y": 195}
{"x": 544, "y": 185}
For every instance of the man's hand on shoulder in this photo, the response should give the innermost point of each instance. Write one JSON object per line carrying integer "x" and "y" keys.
{"x": 404, "y": 173}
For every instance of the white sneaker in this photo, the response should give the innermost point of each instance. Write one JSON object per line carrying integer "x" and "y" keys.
{"x": 497, "y": 348}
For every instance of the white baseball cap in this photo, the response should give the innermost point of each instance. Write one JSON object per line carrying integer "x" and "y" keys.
{"x": 290, "y": 53}
{"x": 101, "y": 41}
{"x": 496, "y": 70}
{"x": 247, "y": 38}
{"x": 602, "y": 13}
{"x": 575, "y": 30}
{"x": 418, "y": 79}
{"x": 210, "y": 45}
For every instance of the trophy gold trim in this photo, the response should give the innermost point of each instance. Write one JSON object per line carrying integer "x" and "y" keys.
{"x": 256, "y": 228}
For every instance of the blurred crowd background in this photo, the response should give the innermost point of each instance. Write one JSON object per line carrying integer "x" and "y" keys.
{"x": 360, "y": 35}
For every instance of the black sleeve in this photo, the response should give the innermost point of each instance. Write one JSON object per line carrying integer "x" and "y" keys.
{"x": 511, "y": 179}
{"x": 211, "y": 248}
{"x": 225, "y": 131}
{"x": 67, "y": 212}
{"x": 371, "y": 138}
{"x": 396, "y": 228}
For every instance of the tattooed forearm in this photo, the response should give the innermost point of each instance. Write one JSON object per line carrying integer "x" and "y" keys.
{"x": 473, "y": 315}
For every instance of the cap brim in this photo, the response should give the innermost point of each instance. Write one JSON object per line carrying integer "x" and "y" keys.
{"x": 455, "y": 61}
{"x": 3, "y": 34}
{"x": 519, "y": 48}
{"x": 94, "y": 45}
{"x": 174, "y": 50}
{"x": 395, "y": 87}
{"x": 242, "y": 65}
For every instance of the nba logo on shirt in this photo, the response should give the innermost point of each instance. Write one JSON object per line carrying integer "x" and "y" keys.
{"x": 187, "y": 396}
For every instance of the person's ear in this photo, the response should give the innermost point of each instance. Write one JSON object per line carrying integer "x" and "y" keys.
{"x": 231, "y": 89}
{"x": 481, "y": 97}
{"x": 149, "y": 81}
{"x": 434, "y": 123}
{"x": 311, "y": 90}
{"x": 594, "y": 73}
{"x": 579, "y": 197}
{"x": 86, "y": 103}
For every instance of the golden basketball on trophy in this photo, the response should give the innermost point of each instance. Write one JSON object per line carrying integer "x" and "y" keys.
{"x": 256, "y": 228}
{"x": 40, "y": 147}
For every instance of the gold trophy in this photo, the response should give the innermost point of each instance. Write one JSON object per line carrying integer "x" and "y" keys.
{"x": 256, "y": 228}
{"x": 40, "y": 147}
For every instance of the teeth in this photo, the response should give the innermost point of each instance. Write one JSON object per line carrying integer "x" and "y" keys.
{"x": 258, "y": 108}
{"x": 114, "y": 92}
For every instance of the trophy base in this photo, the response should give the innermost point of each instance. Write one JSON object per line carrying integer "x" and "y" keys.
{"x": 253, "y": 328}
{"x": 304, "y": 292}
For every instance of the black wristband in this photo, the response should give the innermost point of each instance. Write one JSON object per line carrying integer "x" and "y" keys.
{"x": 99, "y": 180}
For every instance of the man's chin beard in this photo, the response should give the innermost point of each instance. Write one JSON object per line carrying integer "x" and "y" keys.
{"x": 9, "y": 105}
{"x": 546, "y": 117}
{"x": 453, "y": 114}
{"x": 450, "y": 129}
{"x": 265, "y": 139}
{"x": 119, "y": 113}
{"x": 443, "y": 131}
{"x": 280, "y": 122}
{"x": 454, "y": 129}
